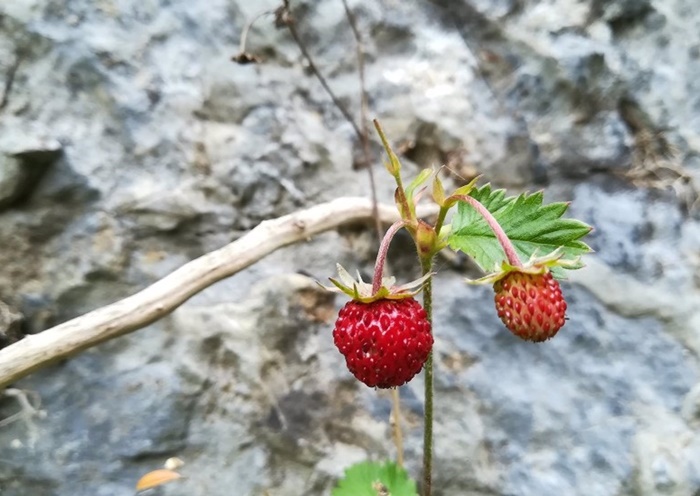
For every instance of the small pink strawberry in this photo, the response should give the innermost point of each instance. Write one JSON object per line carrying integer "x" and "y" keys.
{"x": 531, "y": 305}
{"x": 386, "y": 342}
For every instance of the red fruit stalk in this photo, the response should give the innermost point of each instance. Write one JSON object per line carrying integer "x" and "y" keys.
{"x": 385, "y": 342}
{"x": 530, "y": 305}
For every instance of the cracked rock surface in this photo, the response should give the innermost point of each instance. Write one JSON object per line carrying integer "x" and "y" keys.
{"x": 130, "y": 143}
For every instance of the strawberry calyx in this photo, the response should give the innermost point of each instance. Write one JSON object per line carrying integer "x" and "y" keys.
{"x": 362, "y": 291}
{"x": 535, "y": 266}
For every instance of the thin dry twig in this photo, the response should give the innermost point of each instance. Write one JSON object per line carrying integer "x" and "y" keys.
{"x": 29, "y": 413}
{"x": 284, "y": 18}
{"x": 364, "y": 109}
{"x": 29, "y": 403}
{"x": 10, "y": 79}
{"x": 243, "y": 56}
{"x": 135, "y": 312}
{"x": 395, "y": 422}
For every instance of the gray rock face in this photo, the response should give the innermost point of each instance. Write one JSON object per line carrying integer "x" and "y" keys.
{"x": 10, "y": 324}
{"x": 130, "y": 143}
{"x": 21, "y": 171}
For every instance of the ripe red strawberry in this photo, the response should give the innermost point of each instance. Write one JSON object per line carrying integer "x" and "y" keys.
{"x": 385, "y": 342}
{"x": 530, "y": 305}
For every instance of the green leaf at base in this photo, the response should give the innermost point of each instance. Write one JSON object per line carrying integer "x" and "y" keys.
{"x": 375, "y": 479}
{"x": 533, "y": 228}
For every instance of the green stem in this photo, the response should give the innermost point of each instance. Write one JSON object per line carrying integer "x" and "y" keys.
{"x": 427, "y": 267}
{"x": 441, "y": 219}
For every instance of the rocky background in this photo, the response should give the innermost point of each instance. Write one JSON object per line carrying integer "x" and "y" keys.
{"x": 130, "y": 143}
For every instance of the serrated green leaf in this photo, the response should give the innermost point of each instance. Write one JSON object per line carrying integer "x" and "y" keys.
{"x": 375, "y": 479}
{"x": 533, "y": 228}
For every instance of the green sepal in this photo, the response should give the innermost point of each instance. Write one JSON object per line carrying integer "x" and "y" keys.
{"x": 438, "y": 191}
{"x": 404, "y": 206}
{"x": 375, "y": 479}
{"x": 419, "y": 180}
{"x": 406, "y": 200}
{"x": 467, "y": 188}
{"x": 393, "y": 168}
{"x": 393, "y": 165}
{"x": 461, "y": 191}
{"x": 361, "y": 291}
{"x": 552, "y": 262}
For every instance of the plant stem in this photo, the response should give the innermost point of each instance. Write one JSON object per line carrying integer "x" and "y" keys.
{"x": 427, "y": 267}
{"x": 503, "y": 239}
{"x": 440, "y": 219}
{"x": 381, "y": 255}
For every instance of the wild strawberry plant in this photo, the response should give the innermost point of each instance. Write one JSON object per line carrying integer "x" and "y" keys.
{"x": 386, "y": 337}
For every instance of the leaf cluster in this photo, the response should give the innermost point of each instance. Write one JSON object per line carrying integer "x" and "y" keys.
{"x": 535, "y": 229}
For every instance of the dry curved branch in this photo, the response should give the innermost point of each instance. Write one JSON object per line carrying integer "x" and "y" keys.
{"x": 134, "y": 312}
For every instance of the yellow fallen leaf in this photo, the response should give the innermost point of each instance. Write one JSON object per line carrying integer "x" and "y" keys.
{"x": 156, "y": 478}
